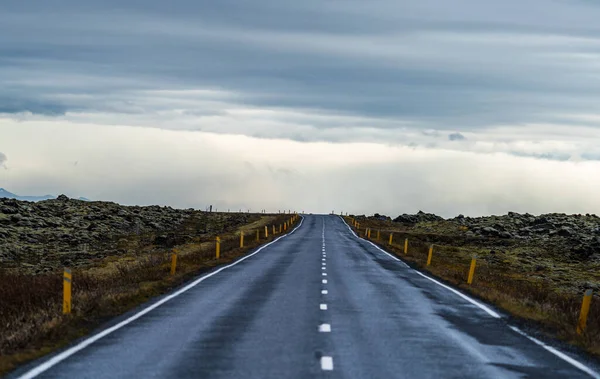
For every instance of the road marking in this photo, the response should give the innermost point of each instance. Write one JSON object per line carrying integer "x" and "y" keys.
{"x": 324, "y": 281}
{"x": 323, "y": 307}
{"x": 492, "y": 313}
{"x": 88, "y": 341}
{"x": 324, "y": 292}
{"x": 326, "y": 363}
{"x": 323, "y": 263}
{"x": 324, "y": 273}
{"x": 323, "y": 268}
{"x": 323, "y": 259}
{"x": 324, "y": 328}
{"x": 467, "y": 298}
{"x": 559, "y": 354}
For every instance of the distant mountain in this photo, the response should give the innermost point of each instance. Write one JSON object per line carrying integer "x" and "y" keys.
{"x": 10, "y": 195}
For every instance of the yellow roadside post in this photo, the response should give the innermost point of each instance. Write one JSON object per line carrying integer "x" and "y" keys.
{"x": 391, "y": 237}
{"x": 266, "y": 232}
{"x": 173, "y": 263}
{"x": 67, "y": 291}
{"x": 369, "y": 233}
{"x": 280, "y": 228}
{"x": 406, "y": 246}
{"x": 585, "y": 309}
{"x": 257, "y": 235}
{"x": 274, "y": 230}
{"x": 378, "y": 235}
{"x": 242, "y": 238}
{"x": 218, "y": 247}
{"x": 430, "y": 255}
{"x": 472, "y": 270}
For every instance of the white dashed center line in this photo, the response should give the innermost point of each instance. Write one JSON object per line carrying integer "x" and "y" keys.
{"x": 326, "y": 363}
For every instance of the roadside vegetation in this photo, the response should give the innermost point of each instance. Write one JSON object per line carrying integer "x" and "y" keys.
{"x": 540, "y": 290}
{"x": 31, "y": 319}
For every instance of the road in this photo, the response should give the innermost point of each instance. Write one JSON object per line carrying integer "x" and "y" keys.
{"x": 317, "y": 303}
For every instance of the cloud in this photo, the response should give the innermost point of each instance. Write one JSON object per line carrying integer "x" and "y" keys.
{"x": 464, "y": 66}
{"x": 3, "y": 160}
{"x": 396, "y": 76}
{"x": 456, "y": 137}
{"x": 235, "y": 171}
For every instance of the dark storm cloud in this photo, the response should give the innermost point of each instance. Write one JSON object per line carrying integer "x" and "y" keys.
{"x": 468, "y": 64}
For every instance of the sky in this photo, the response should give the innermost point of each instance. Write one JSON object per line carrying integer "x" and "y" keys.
{"x": 470, "y": 107}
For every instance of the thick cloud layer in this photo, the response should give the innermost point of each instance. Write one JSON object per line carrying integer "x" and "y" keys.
{"x": 468, "y": 77}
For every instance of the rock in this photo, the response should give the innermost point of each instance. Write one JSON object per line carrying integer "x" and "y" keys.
{"x": 419, "y": 217}
{"x": 565, "y": 232}
{"x": 62, "y": 198}
{"x": 489, "y": 231}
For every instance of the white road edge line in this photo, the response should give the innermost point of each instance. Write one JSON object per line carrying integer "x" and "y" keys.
{"x": 558, "y": 353}
{"x": 326, "y": 363}
{"x": 85, "y": 343}
{"x": 325, "y": 328}
{"x": 552, "y": 350}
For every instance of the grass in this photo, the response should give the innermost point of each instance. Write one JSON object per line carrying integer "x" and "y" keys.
{"x": 31, "y": 319}
{"x": 535, "y": 297}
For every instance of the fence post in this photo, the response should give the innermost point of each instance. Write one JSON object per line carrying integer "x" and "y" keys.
{"x": 218, "y": 248}
{"x": 285, "y": 226}
{"x": 585, "y": 309}
{"x": 67, "y": 291}
{"x": 472, "y": 270}
{"x": 266, "y": 232}
{"x": 391, "y": 238}
{"x": 173, "y": 263}
{"x": 430, "y": 255}
{"x": 406, "y": 246}
{"x": 242, "y": 238}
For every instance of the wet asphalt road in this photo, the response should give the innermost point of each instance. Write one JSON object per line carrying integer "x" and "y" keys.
{"x": 317, "y": 303}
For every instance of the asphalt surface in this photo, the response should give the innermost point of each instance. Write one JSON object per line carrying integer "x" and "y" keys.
{"x": 317, "y": 303}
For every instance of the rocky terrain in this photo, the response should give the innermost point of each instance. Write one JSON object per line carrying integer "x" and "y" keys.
{"x": 44, "y": 235}
{"x": 572, "y": 237}
{"x": 417, "y": 218}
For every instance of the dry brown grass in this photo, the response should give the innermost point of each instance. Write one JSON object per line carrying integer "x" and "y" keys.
{"x": 531, "y": 299}
{"x": 31, "y": 320}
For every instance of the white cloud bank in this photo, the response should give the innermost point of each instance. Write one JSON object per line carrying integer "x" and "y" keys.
{"x": 138, "y": 165}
